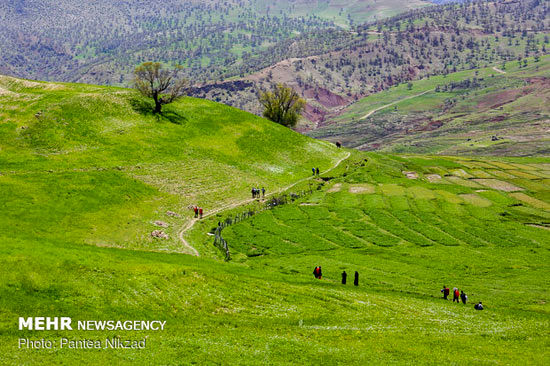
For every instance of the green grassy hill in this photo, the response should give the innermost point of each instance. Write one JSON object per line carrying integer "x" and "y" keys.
{"x": 452, "y": 114}
{"x": 86, "y": 171}
{"x": 100, "y": 163}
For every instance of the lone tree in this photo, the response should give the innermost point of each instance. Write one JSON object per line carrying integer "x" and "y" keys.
{"x": 164, "y": 86}
{"x": 282, "y": 105}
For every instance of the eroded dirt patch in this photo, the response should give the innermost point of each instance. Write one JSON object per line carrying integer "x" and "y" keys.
{"x": 499, "y": 185}
{"x": 335, "y": 188}
{"x": 361, "y": 189}
{"x": 411, "y": 175}
{"x": 433, "y": 178}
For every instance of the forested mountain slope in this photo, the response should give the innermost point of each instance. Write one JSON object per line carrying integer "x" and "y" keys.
{"x": 372, "y": 58}
{"x": 102, "y": 41}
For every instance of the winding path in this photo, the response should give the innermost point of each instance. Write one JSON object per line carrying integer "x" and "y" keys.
{"x": 192, "y": 222}
{"x": 499, "y": 70}
{"x": 392, "y": 103}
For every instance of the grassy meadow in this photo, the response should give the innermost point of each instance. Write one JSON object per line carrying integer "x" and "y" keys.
{"x": 438, "y": 115}
{"x": 86, "y": 171}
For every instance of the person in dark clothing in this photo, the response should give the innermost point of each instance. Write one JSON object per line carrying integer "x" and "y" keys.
{"x": 320, "y": 273}
{"x": 317, "y": 171}
{"x": 253, "y": 192}
{"x": 445, "y": 290}
{"x": 356, "y": 279}
{"x": 200, "y": 212}
{"x": 478, "y": 306}
{"x": 316, "y": 272}
{"x": 463, "y": 297}
{"x": 196, "y": 209}
{"x": 456, "y": 295}
{"x": 313, "y": 170}
{"x": 338, "y": 144}
{"x": 263, "y": 192}
{"x": 344, "y": 277}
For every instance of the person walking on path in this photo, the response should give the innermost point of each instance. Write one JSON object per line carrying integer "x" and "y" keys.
{"x": 200, "y": 212}
{"x": 445, "y": 290}
{"x": 313, "y": 170}
{"x": 456, "y": 295}
{"x": 344, "y": 277}
{"x": 196, "y": 209}
{"x": 317, "y": 171}
{"x": 356, "y": 279}
{"x": 263, "y": 192}
{"x": 463, "y": 297}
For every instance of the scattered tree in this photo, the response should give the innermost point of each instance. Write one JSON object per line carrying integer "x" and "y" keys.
{"x": 152, "y": 80}
{"x": 282, "y": 105}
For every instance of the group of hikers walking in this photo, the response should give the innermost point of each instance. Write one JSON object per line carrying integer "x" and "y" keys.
{"x": 315, "y": 171}
{"x": 318, "y": 273}
{"x": 198, "y": 211}
{"x": 257, "y": 191}
{"x": 458, "y": 296}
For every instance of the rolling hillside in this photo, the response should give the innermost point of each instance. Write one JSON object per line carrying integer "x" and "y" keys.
{"x": 500, "y": 110}
{"x": 87, "y": 174}
{"x": 101, "y": 42}
{"x": 98, "y": 161}
{"x": 375, "y": 57}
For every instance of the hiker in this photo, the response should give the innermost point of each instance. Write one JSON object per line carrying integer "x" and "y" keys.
{"x": 356, "y": 280}
{"x": 456, "y": 295}
{"x": 253, "y": 192}
{"x": 313, "y": 170}
{"x": 338, "y": 144}
{"x": 478, "y": 306}
{"x": 445, "y": 290}
{"x": 463, "y": 297}
{"x": 196, "y": 209}
{"x": 316, "y": 272}
{"x": 263, "y": 192}
{"x": 317, "y": 171}
{"x": 344, "y": 277}
{"x": 200, "y": 212}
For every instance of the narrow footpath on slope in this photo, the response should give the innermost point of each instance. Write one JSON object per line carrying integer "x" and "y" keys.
{"x": 499, "y": 70}
{"x": 392, "y": 103}
{"x": 192, "y": 222}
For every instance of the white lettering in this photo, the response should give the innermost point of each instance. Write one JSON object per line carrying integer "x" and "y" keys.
{"x": 39, "y": 323}
{"x": 25, "y": 323}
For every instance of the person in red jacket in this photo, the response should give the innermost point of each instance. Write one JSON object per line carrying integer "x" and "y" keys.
{"x": 196, "y": 209}
{"x": 200, "y": 212}
{"x": 456, "y": 295}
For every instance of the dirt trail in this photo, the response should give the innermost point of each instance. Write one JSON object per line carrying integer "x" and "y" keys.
{"x": 499, "y": 70}
{"x": 192, "y": 222}
{"x": 392, "y": 103}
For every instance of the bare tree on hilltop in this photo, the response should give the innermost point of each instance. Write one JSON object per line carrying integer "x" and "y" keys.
{"x": 282, "y": 105}
{"x": 165, "y": 86}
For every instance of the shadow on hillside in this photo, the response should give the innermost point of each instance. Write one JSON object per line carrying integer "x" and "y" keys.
{"x": 147, "y": 108}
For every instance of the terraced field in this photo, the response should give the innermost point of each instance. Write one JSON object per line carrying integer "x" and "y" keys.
{"x": 410, "y": 224}
{"x": 87, "y": 173}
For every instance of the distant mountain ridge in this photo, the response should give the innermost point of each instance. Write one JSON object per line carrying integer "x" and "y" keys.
{"x": 102, "y": 41}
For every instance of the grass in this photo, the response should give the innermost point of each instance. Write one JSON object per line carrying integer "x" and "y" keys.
{"x": 86, "y": 178}
{"x": 461, "y": 121}
{"x": 102, "y": 164}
